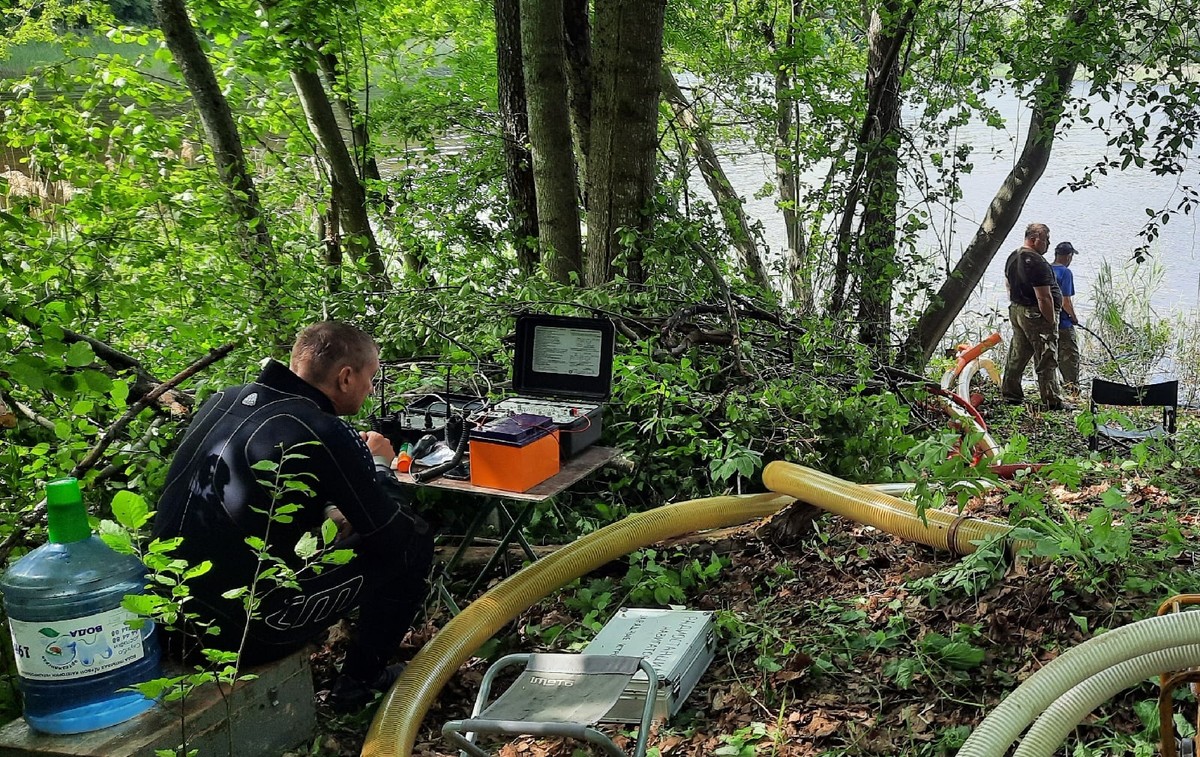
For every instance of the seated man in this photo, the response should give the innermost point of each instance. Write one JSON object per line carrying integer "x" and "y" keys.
{"x": 214, "y": 498}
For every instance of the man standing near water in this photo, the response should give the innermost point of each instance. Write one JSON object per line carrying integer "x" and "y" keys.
{"x": 1068, "y": 345}
{"x": 1034, "y": 304}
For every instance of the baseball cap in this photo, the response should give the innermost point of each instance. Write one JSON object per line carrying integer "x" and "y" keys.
{"x": 1065, "y": 248}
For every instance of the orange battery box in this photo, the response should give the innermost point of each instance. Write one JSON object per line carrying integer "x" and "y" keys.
{"x": 515, "y": 453}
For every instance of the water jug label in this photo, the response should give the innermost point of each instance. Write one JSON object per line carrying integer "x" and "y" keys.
{"x": 75, "y": 647}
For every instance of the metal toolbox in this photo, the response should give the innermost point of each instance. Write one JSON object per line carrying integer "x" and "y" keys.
{"x": 679, "y": 644}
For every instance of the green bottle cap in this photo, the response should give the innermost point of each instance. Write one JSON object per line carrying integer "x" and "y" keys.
{"x": 65, "y": 513}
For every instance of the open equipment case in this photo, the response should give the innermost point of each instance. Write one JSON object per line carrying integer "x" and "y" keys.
{"x": 562, "y": 369}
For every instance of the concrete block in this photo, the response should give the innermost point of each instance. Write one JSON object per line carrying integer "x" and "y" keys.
{"x": 264, "y": 717}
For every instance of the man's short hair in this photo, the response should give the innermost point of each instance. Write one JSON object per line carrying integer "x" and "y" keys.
{"x": 326, "y": 346}
{"x": 1037, "y": 231}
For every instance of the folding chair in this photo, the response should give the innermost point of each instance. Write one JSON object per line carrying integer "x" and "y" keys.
{"x": 556, "y": 695}
{"x": 1164, "y": 394}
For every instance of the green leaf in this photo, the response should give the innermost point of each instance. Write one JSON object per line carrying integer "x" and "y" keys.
{"x": 306, "y": 547}
{"x": 120, "y": 393}
{"x": 130, "y": 509}
{"x": 961, "y": 655}
{"x": 79, "y": 355}
{"x": 329, "y": 531}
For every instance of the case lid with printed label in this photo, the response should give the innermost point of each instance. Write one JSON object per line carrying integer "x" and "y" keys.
{"x": 563, "y": 356}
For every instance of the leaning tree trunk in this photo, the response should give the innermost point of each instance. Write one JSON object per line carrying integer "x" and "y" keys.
{"x": 877, "y": 242}
{"x": 733, "y": 212}
{"x": 550, "y": 137}
{"x": 222, "y": 133}
{"x": 346, "y": 186}
{"x": 621, "y": 161}
{"x": 356, "y": 126}
{"x": 578, "y": 41}
{"x": 514, "y": 134}
{"x": 1049, "y": 99}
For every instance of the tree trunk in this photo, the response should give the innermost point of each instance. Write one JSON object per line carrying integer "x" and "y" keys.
{"x": 550, "y": 136}
{"x": 1049, "y": 98}
{"x": 732, "y": 210}
{"x": 880, "y": 60}
{"x": 222, "y": 134}
{"x": 624, "y": 141}
{"x": 360, "y": 139}
{"x": 787, "y": 181}
{"x": 514, "y": 132}
{"x": 577, "y": 30}
{"x": 877, "y": 242}
{"x": 347, "y": 188}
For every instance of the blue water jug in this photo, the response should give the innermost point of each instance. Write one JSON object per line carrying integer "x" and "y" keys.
{"x": 73, "y": 646}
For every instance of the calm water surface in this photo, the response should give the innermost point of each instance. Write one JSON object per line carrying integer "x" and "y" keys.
{"x": 1102, "y": 222}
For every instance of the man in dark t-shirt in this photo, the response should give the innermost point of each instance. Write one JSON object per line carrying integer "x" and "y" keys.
{"x": 1034, "y": 304}
{"x": 224, "y": 490}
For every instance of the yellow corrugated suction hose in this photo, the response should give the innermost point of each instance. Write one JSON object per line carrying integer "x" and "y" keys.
{"x": 395, "y": 728}
{"x": 941, "y": 530}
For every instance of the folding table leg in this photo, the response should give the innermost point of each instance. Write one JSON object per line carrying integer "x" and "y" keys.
{"x": 468, "y": 539}
{"x": 513, "y": 533}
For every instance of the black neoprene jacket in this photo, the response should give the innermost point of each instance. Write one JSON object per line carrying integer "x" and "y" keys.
{"x": 215, "y": 499}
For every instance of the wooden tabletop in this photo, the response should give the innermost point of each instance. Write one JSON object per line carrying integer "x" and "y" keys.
{"x": 573, "y": 470}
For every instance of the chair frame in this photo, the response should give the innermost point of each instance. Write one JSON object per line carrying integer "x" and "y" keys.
{"x": 1164, "y": 394}
{"x": 579, "y": 731}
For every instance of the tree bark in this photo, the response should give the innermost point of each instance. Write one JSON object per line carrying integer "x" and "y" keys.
{"x": 550, "y": 137}
{"x": 877, "y": 243}
{"x": 624, "y": 140}
{"x": 346, "y": 186}
{"x": 351, "y": 123}
{"x": 222, "y": 134}
{"x": 577, "y": 30}
{"x": 514, "y": 132}
{"x": 846, "y": 241}
{"x": 733, "y": 212}
{"x": 1049, "y": 99}
{"x": 787, "y": 181}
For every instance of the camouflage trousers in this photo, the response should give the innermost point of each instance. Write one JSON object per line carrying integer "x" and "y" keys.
{"x": 1034, "y": 339}
{"x": 1068, "y": 359}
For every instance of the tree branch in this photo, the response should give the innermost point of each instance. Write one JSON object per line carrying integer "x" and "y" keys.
{"x": 21, "y": 528}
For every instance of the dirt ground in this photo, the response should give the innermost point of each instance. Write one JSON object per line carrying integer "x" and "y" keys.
{"x": 836, "y": 644}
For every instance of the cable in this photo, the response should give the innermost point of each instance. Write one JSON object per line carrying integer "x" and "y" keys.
{"x": 460, "y": 449}
{"x": 1113, "y": 355}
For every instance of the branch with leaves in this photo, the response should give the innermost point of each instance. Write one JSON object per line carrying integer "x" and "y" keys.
{"x": 21, "y": 529}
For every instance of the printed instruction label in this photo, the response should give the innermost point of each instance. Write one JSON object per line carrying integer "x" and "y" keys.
{"x": 567, "y": 351}
{"x": 56, "y": 650}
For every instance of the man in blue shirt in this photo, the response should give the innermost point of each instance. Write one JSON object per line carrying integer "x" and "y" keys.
{"x": 1068, "y": 345}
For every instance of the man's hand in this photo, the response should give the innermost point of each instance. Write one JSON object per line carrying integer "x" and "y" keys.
{"x": 1045, "y": 304}
{"x": 379, "y": 445}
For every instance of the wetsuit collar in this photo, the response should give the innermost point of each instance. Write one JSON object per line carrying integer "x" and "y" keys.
{"x": 278, "y": 376}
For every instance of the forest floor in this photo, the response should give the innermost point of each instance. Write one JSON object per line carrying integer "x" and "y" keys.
{"x": 852, "y": 642}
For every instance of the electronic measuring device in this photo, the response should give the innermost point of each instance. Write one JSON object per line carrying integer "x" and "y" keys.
{"x": 562, "y": 370}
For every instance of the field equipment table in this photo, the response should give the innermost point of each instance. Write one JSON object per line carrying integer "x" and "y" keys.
{"x": 512, "y": 520}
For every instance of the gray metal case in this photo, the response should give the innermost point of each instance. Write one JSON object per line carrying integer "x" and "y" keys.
{"x": 680, "y": 644}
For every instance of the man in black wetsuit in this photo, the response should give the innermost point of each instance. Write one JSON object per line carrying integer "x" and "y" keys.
{"x": 1034, "y": 304}
{"x": 215, "y": 500}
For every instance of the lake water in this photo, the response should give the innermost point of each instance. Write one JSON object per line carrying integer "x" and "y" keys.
{"x": 1102, "y": 222}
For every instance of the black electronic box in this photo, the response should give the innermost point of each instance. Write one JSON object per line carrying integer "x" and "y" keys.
{"x": 425, "y": 414}
{"x": 562, "y": 369}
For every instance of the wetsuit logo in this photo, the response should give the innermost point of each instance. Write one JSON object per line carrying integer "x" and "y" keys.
{"x": 251, "y": 400}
